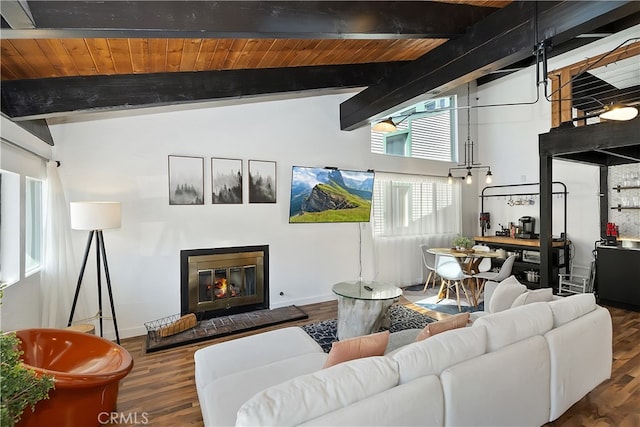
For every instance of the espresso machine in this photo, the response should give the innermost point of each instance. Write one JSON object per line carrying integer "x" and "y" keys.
{"x": 526, "y": 228}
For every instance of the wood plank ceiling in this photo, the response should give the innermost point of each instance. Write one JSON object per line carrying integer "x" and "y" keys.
{"x": 32, "y": 58}
{"x": 64, "y": 57}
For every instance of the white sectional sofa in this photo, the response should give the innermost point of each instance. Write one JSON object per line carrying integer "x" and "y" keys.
{"x": 523, "y": 366}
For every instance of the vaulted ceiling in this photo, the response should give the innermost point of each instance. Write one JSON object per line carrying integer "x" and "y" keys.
{"x": 68, "y": 57}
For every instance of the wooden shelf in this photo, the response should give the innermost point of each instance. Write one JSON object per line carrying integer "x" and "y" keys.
{"x": 618, "y": 188}
{"x": 503, "y": 240}
{"x": 619, "y": 208}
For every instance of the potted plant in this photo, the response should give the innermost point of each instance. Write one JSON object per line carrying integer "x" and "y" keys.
{"x": 20, "y": 386}
{"x": 462, "y": 243}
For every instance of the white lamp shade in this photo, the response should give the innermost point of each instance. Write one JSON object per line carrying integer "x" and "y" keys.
{"x": 95, "y": 215}
{"x": 385, "y": 126}
{"x": 620, "y": 113}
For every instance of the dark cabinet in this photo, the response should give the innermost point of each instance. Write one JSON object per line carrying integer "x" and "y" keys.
{"x": 618, "y": 277}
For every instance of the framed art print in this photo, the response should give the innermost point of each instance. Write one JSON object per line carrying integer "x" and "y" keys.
{"x": 226, "y": 181}
{"x": 262, "y": 181}
{"x": 186, "y": 180}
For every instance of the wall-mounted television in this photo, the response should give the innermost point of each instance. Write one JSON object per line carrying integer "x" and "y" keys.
{"x": 330, "y": 195}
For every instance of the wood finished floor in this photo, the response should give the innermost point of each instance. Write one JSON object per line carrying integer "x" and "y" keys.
{"x": 161, "y": 387}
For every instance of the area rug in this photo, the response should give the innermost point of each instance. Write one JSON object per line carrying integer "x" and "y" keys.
{"x": 429, "y": 300}
{"x": 325, "y": 332}
{"x": 226, "y": 325}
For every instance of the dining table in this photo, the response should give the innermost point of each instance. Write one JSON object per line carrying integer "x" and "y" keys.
{"x": 469, "y": 260}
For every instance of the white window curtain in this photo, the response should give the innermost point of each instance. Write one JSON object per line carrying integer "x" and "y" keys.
{"x": 410, "y": 210}
{"x": 59, "y": 276}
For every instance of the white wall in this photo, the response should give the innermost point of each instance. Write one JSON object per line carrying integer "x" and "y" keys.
{"x": 125, "y": 159}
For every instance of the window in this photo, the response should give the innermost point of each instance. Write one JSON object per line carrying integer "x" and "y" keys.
{"x": 410, "y": 210}
{"x": 33, "y": 225}
{"x": 398, "y": 143}
{"x": 22, "y": 192}
{"x": 406, "y": 204}
{"x": 428, "y": 132}
{"x": 9, "y": 227}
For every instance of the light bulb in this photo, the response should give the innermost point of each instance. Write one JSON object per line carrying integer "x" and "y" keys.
{"x": 489, "y": 177}
{"x": 450, "y": 178}
{"x": 469, "y": 180}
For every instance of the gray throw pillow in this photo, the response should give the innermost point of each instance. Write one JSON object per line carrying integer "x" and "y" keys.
{"x": 401, "y": 338}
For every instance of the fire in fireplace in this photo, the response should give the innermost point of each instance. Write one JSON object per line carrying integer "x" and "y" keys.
{"x": 224, "y": 281}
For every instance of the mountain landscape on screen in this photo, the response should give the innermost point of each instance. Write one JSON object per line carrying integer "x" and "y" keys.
{"x": 330, "y": 195}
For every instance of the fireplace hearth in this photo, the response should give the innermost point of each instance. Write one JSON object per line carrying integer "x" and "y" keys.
{"x": 223, "y": 281}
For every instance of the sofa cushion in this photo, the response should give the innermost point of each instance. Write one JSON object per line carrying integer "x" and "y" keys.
{"x": 310, "y": 396}
{"x": 357, "y": 347}
{"x": 228, "y": 357}
{"x": 581, "y": 358}
{"x": 398, "y": 406}
{"x": 505, "y": 294}
{"x": 456, "y": 321}
{"x": 537, "y": 295}
{"x": 221, "y": 398}
{"x": 508, "y": 387}
{"x": 513, "y": 325}
{"x": 432, "y": 356}
{"x": 566, "y": 309}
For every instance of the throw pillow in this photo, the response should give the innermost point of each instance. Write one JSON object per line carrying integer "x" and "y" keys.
{"x": 400, "y": 339}
{"x": 505, "y": 294}
{"x": 355, "y": 348}
{"x": 538, "y": 295}
{"x": 453, "y": 322}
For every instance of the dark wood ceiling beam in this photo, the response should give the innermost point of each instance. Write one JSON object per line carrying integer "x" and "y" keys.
{"x": 527, "y": 62}
{"x": 46, "y": 98}
{"x": 250, "y": 19}
{"x": 605, "y": 144}
{"x": 501, "y": 39}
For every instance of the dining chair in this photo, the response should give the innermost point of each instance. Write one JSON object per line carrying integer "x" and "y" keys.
{"x": 485, "y": 264}
{"x": 429, "y": 260}
{"x": 494, "y": 276}
{"x": 450, "y": 270}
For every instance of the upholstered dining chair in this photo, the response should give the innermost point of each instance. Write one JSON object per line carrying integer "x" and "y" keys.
{"x": 450, "y": 270}
{"x": 429, "y": 260}
{"x": 494, "y": 276}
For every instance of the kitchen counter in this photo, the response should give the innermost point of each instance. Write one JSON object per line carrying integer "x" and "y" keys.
{"x": 630, "y": 242}
{"x": 502, "y": 240}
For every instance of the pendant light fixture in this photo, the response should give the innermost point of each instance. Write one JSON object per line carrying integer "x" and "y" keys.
{"x": 619, "y": 112}
{"x": 468, "y": 153}
{"x": 385, "y": 126}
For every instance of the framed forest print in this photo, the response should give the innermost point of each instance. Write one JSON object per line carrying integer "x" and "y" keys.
{"x": 226, "y": 181}
{"x": 186, "y": 180}
{"x": 262, "y": 181}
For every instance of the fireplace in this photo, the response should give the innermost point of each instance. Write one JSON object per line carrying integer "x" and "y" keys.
{"x": 222, "y": 281}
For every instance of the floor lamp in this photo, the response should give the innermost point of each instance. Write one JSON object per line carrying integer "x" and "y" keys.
{"x": 95, "y": 217}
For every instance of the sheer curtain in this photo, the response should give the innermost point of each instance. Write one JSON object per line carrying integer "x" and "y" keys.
{"x": 410, "y": 210}
{"x": 59, "y": 274}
